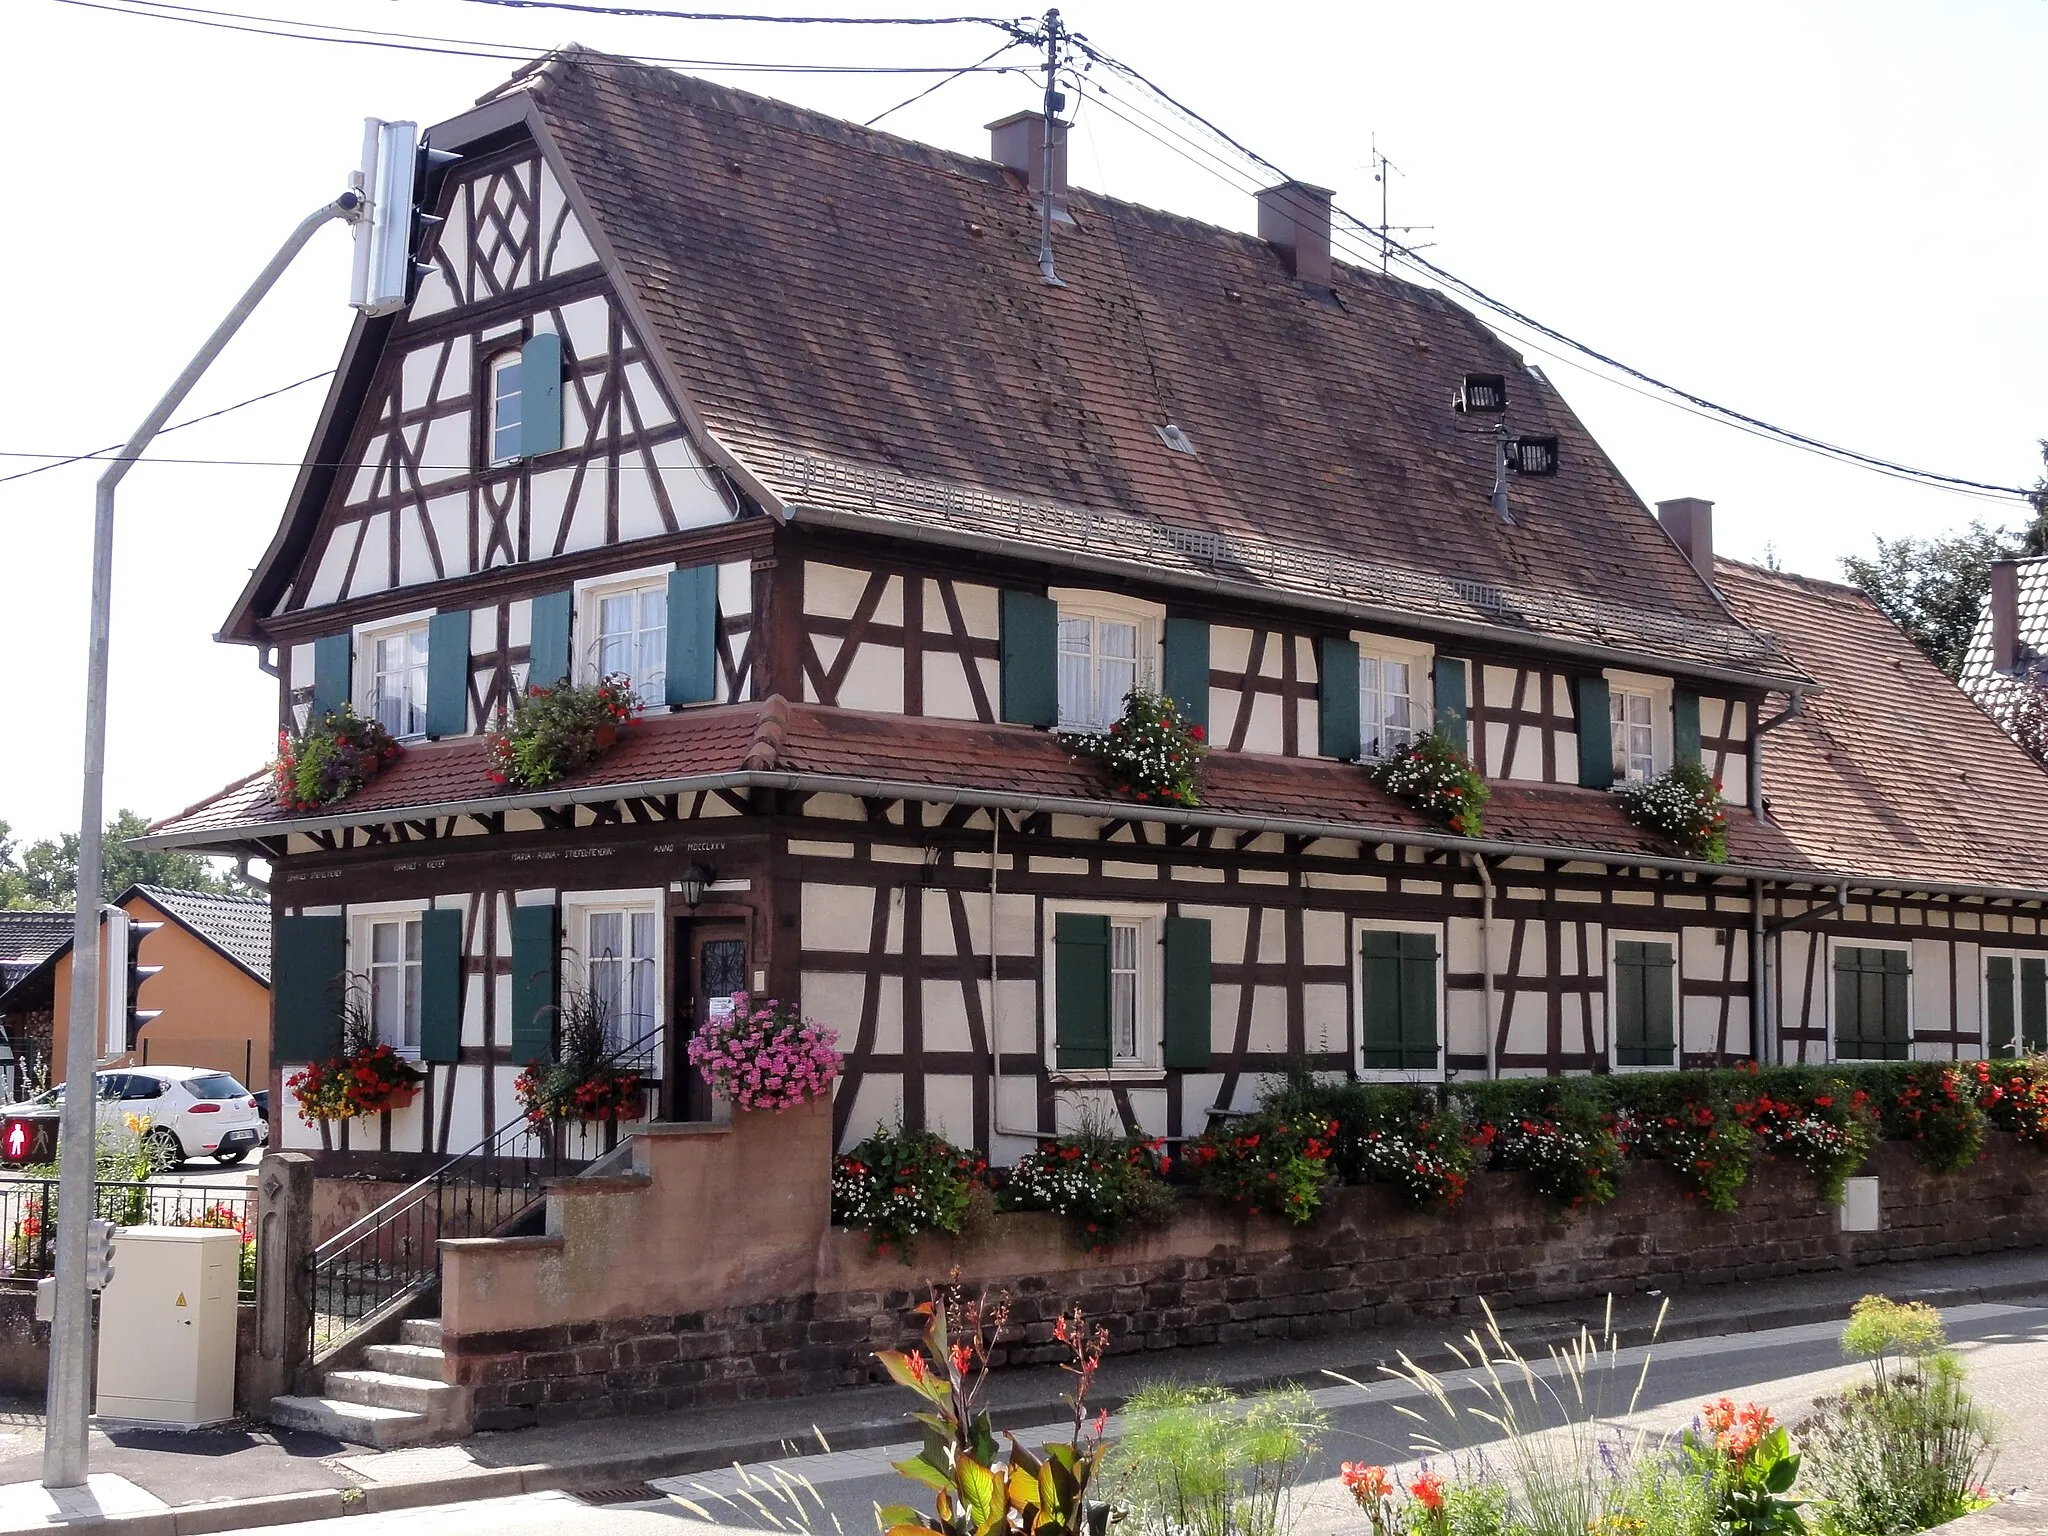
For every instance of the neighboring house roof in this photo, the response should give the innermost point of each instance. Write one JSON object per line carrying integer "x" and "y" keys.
{"x": 859, "y": 323}
{"x": 1890, "y": 770}
{"x": 237, "y": 926}
{"x": 29, "y": 938}
{"x": 1986, "y": 684}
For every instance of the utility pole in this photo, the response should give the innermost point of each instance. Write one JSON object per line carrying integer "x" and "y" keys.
{"x": 1053, "y": 102}
{"x": 70, "y": 1389}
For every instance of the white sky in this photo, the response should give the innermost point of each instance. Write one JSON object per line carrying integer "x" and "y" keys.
{"x": 1829, "y": 215}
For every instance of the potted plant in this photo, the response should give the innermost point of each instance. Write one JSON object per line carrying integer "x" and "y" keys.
{"x": 552, "y": 732}
{"x": 1682, "y": 806}
{"x": 367, "y": 1077}
{"x": 332, "y": 758}
{"x": 584, "y": 1082}
{"x": 765, "y": 1055}
{"x": 1433, "y": 775}
{"x": 1150, "y": 753}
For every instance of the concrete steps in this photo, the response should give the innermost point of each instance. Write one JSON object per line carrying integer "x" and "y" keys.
{"x": 396, "y": 1398}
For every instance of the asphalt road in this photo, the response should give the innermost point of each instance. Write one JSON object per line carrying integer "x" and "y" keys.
{"x": 2005, "y": 1347}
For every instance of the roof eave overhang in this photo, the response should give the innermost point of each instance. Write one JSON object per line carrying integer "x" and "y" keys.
{"x": 1369, "y": 613}
{"x": 1076, "y": 805}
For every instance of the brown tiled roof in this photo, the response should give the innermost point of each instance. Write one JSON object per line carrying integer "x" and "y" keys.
{"x": 1891, "y": 770}
{"x": 1006, "y": 762}
{"x": 860, "y": 320}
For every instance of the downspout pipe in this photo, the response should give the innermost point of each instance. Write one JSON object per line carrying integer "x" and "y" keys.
{"x": 1486, "y": 1006}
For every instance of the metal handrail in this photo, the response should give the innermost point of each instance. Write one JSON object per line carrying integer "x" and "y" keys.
{"x": 391, "y": 1254}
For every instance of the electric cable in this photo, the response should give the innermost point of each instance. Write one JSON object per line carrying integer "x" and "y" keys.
{"x": 940, "y": 84}
{"x": 1014, "y": 26}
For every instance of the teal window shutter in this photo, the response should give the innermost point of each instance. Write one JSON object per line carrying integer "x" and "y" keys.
{"x": 1031, "y": 681}
{"x": 1081, "y": 990}
{"x": 1187, "y": 994}
{"x": 1871, "y": 1020}
{"x": 1337, "y": 699}
{"x": 2034, "y": 1004}
{"x": 540, "y": 395}
{"x": 548, "y": 643}
{"x": 333, "y": 659}
{"x": 1644, "y": 1035}
{"x": 1453, "y": 707}
{"x": 1400, "y": 984}
{"x": 1186, "y": 673}
{"x": 440, "y": 983}
{"x": 448, "y": 674}
{"x": 693, "y": 635}
{"x": 1596, "y": 733}
{"x": 1998, "y": 1005}
{"x": 1685, "y": 726}
{"x": 309, "y": 957}
{"x": 536, "y": 977}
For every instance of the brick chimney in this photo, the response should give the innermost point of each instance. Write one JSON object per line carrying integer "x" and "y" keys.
{"x": 1690, "y": 522}
{"x": 1294, "y": 218}
{"x": 2005, "y": 616}
{"x": 1017, "y": 144}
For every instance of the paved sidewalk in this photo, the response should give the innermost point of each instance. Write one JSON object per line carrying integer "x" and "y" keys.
{"x": 156, "y": 1483}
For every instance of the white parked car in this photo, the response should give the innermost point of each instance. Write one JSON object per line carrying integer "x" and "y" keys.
{"x": 193, "y": 1112}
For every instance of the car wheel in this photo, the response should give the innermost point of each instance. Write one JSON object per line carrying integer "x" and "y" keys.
{"x": 165, "y": 1154}
{"x": 229, "y": 1159}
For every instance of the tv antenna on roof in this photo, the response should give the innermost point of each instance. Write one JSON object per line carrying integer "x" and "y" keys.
{"x": 1382, "y": 170}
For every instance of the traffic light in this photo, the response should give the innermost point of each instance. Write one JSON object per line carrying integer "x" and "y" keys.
{"x": 394, "y": 185}
{"x": 99, "y": 1255}
{"x": 135, "y": 1017}
{"x": 26, "y": 1138}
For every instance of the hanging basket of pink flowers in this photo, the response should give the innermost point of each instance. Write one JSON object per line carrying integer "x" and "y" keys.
{"x": 766, "y": 1055}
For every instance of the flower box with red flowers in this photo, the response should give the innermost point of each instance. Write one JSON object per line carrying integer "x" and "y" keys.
{"x": 331, "y": 759}
{"x": 368, "y": 1080}
{"x": 1434, "y": 776}
{"x": 552, "y": 732}
{"x": 1150, "y": 752}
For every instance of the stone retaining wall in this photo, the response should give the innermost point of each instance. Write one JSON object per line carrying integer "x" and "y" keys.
{"x": 1218, "y": 1278}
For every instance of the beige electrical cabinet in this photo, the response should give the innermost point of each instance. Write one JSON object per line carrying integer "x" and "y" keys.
{"x": 167, "y": 1326}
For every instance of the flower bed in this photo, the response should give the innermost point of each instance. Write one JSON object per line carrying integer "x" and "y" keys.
{"x": 1682, "y": 806}
{"x": 1272, "y": 1161}
{"x": 1435, "y": 777}
{"x": 1105, "y": 1183}
{"x": 552, "y": 732}
{"x": 330, "y": 760}
{"x": 901, "y": 1185}
{"x": 766, "y": 1055}
{"x": 1150, "y": 754}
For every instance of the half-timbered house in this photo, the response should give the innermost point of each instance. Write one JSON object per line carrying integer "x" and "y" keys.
{"x": 777, "y": 415}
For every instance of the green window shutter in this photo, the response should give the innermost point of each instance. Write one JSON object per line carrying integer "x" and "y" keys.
{"x": 440, "y": 983}
{"x": 333, "y": 659}
{"x": 1031, "y": 658}
{"x": 1081, "y": 991}
{"x": 536, "y": 972}
{"x": 1187, "y": 993}
{"x": 1849, "y": 1001}
{"x": 1644, "y": 1032}
{"x": 1452, "y": 695}
{"x": 1400, "y": 983}
{"x": 1898, "y": 980}
{"x": 548, "y": 643}
{"x": 1998, "y": 1005}
{"x": 1871, "y": 1004}
{"x": 1596, "y": 733}
{"x": 1685, "y": 726}
{"x": 1337, "y": 699}
{"x": 693, "y": 635}
{"x": 310, "y": 955}
{"x": 448, "y": 674}
{"x": 1186, "y": 673}
{"x": 1418, "y": 1000}
{"x": 2034, "y": 1004}
{"x": 540, "y": 395}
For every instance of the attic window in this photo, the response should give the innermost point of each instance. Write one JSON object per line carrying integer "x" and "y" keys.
{"x": 1176, "y": 439}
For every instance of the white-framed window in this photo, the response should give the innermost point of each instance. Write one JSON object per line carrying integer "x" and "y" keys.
{"x": 385, "y": 941}
{"x": 505, "y": 438}
{"x": 616, "y": 938}
{"x": 1644, "y": 1019}
{"x": 1639, "y": 725}
{"x": 1398, "y": 987}
{"x": 622, "y": 622}
{"x": 1133, "y": 1015}
{"x": 1394, "y": 694}
{"x": 391, "y": 674}
{"x": 1107, "y": 647}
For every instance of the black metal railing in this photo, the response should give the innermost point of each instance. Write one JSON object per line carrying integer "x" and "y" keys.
{"x": 28, "y": 1219}
{"x": 392, "y": 1254}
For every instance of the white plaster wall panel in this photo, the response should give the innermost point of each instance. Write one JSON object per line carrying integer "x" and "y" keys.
{"x": 1528, "y": 1022}
{"x": 1465, "y": 1025}
{"x": 1016, "y": 1016}
{"x": 444, "y": 449}
{"x": 827, "y": 649}
{"x": 1117, "y": 869}
{"x": 564, "y": 245}
{"x": 1148, "y": 1108}
{"x": 877, "y": 1101}
{"x": 1304, "y": 660}
{"x": 1269, "y": 1019}
{"x": 1016, "y": 921}
{"x": 650, "y": 404}
{"x": 362, "y": 485}
{"x": 980, "y": 610}
{"x": 835, "y": 808}
{"x": 1307, "y": 731}
{"x": 888, "y": 1017}
{"x": 415, "y": 561}
{"x": 639, "y": 512}
{"x": 293, "y": 1134}
{"x": 1969, "y": 961}
{"x": 417, "y": 371}
{"x": 1494, "y": 755}
{"x": 586, "y": 517}
{"x": 736, "y": 589}
{"x": 586, "y": 326}
{"x": 946, "y": 695}
{"x": 1462, "y": 945}
{"x": 1323, "y": 1011}
{"x": 1930, "y": 982}
{"x": 1263, "y": 731}
{"x": 945, "y": 1016}
{"x": 833, "y": 998}
{"x": 473, "y": 990}
{"x": 465, "y": 1117}
{"x": 373, "y": 565}
{"x": 1248, "y": 1088}
{"x": 408, "y": 1125}
{"x": 874, "y": 680}
{"x": 832, "y": 591}
{"x": 937, "y": 918}
{"x": 1322, "y": 937}
{"x": 1016, "y": 1107}
{"x": 333, "y": 569}
{"x": 837, "y": 917}
{"x": 1272, "y": 936}
{"x": 1528, "y": 759}
{"x": 949, "y": 1106}
{"x": 1077, "y": 1107}
{"x": 1229, "y": 648}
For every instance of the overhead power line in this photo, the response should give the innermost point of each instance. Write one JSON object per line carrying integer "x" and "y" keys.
{"x": 653, "y": 13}
{"x": 1672, "y": 393}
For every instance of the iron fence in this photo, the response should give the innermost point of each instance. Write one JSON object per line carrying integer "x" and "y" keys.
{"x": 28, "y": 1219}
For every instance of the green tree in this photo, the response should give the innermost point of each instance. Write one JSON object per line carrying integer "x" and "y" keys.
{"x": 1934, "y": 589}
{"x": 13, "y": 883}
{"x": 49, "y": 867}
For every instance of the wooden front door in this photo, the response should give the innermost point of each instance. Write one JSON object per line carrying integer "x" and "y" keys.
{"x": 714, "y": 955}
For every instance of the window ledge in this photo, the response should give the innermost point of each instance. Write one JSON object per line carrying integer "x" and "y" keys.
{"x": 1085, "y": 1077}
